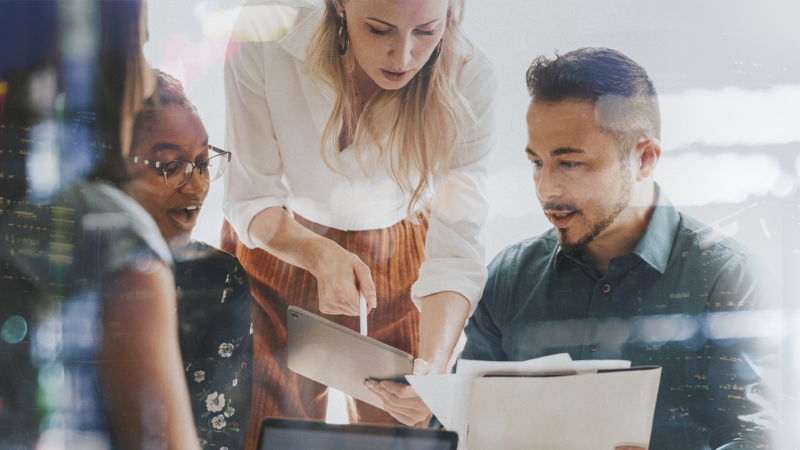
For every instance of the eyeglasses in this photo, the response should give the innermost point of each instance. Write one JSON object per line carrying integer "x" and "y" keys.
{"x": 179, "y": 172}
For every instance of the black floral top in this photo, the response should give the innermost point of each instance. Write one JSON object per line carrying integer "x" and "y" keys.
{"x": 216, "y": 339}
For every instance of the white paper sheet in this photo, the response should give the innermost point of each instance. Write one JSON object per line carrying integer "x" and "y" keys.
{"x": 576, "y": 412}
{"x": 449, "y": 396}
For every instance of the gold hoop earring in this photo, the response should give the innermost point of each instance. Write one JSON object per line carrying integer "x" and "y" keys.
{"x": 344, "y": 36}
{"x": 435, "y": 55}
{"x": 438, "y": 51}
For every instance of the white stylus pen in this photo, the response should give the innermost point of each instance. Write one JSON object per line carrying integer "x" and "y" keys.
{"x": 363, "y": 314}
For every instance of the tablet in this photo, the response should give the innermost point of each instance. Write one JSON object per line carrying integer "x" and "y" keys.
{"x": 341, "y": 358}
{"x": 284, "y": 434}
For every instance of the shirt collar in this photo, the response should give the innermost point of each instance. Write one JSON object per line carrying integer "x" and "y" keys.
{"x": 656, "y": 243}
{"x": 296, "y": 40}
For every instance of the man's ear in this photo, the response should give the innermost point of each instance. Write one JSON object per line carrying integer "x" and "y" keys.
{"x": 648, "y": 152}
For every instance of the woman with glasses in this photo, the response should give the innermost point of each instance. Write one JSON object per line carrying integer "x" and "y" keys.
{"x": 360, "y": 140}
{"x": 171, "y": 166}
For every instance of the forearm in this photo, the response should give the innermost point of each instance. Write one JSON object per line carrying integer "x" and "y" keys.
{"x": 443, "y": 317}
{"x": 340, "y": 274}
{"x": 274, "y": 230}
{"x": 140, "y": 362}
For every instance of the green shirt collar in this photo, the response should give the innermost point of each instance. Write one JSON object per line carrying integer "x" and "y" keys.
{"x": 656, "y": 243}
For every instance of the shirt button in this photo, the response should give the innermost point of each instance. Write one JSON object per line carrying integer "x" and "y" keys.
{"x": 606, "y": 288}
{"x": 594, "y": 347}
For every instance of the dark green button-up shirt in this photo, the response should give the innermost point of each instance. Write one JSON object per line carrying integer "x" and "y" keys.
{"x": 681, "y": 300}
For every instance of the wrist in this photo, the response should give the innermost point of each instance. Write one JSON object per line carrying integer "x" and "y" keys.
{"x": 315, "y": 251}
{"x": 438, "y": 366}
{"x": 443, "y": 317}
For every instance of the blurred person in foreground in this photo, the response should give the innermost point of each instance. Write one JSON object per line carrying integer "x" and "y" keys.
{"x": 89, "y": 353}
{"x": 171, "y": 166}
{"x": 622, "y": 274}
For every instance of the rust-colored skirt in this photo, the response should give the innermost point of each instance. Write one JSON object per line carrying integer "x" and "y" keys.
{"x": 394, "y": 256}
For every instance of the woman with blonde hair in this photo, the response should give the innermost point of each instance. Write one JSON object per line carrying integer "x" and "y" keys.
{"x": 360, "y": 140}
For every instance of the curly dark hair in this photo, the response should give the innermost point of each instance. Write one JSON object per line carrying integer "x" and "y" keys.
{"x": 623, "y": 95}
{"x": 168, "y": 94}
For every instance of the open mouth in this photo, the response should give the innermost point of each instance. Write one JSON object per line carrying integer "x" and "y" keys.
{"x": 562, "y": 218}
{"x": 189, "y": 212}
{"x": 185, "y": 218}
{"x": 395, "y": 76}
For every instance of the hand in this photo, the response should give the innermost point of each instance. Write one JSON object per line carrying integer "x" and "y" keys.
{"x": 340, "y": 276}
{"x": 401, "y": 400}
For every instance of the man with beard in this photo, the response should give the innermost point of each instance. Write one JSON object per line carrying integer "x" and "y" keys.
{"x": 623, "y": 275}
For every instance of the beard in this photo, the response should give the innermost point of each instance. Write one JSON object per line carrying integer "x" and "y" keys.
{"x": 573, "y": 242}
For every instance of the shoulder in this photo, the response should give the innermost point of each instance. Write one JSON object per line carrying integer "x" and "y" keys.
{"x": 102, "y": 208}
{"x": 283, "y": 15}
{"x": 200, "y": 253}
{"x": 200, "y": 262}
{"x": 100, "y": 230}
{"x": 708, "y": 246}
{"x": 268, "y": 22}
{"x": 477, "y": 86}
{"x": 107, "y": 207}
{"x": 477, "y": 76}
{"x": 730, "y": 270}
{"x": 308, "y": 4}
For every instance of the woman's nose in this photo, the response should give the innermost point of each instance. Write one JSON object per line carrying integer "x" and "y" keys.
{"x": 400, "y": 53}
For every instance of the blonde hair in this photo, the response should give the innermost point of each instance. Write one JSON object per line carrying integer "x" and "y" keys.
{"x": 425, "y": 118}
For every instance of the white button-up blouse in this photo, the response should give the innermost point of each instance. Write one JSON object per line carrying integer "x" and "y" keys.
{"x": 275, "y": 118}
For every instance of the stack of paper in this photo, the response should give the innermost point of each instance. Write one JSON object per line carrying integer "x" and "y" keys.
{"x": 450, "y": 398}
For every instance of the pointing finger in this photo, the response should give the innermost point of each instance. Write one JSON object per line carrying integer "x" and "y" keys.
{"x": 365, "y": 284}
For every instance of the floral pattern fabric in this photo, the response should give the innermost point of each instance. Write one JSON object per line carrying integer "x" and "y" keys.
{"x": 216, "y": 343}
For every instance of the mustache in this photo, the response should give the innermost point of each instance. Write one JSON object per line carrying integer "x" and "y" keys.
{"x": 562, "y": 208}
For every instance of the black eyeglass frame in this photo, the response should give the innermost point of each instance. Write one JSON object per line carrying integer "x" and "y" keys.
{"x": 163, "y": 165}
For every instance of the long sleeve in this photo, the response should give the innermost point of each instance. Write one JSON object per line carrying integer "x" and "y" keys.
{"x": 484, "y": 336}
{"x": 253, "y": 179}
{"x": 454, "y": 250}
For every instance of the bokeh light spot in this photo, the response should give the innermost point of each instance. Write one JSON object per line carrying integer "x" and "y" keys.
{"x": 14, "y": 329}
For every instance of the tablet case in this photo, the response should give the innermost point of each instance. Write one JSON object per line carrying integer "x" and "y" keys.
{"x": 341, "y": 358}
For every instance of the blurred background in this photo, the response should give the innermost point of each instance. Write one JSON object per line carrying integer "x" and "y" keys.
{"x": 727, "y": 72}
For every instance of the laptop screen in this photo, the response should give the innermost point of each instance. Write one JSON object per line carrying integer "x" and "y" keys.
{"x": 283, "y": 434}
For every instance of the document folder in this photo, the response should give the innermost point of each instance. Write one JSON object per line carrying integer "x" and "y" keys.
{"x": 576, "y": 412}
